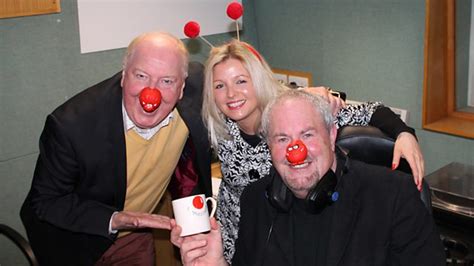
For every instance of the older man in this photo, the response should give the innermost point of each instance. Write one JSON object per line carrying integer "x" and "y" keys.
{"x": 106, "y": 159}
{"x": 317, "y": 207}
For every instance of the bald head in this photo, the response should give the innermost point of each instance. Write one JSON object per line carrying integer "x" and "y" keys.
{"x": 153, "y": 40}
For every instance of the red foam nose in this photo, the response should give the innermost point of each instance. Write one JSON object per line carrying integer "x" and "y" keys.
{"x": 150, "y": 99}
{"x": 296, "y": 152}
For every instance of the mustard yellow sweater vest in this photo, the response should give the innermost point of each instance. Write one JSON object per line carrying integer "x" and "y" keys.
{"x": 150, "y": 164}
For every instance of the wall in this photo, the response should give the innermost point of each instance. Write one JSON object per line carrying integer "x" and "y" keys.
{"x": 372, "y": 49}
{"x": 41, "y": 66}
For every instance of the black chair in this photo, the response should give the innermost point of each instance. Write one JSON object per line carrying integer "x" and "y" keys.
{"x": 20, "y": 242}
{"x": 372, "y": 146}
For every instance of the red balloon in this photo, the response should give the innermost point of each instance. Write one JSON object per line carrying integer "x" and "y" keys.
{"x": 198, "y": 203}
{"x": 296, "y": 152}
{"x": 235, "y": 10}
{"x": 150, "y": 99}
{"x": 192, "y": 29}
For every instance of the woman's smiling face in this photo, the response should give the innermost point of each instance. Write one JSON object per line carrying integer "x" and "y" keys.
{"x": 234, "y": 94}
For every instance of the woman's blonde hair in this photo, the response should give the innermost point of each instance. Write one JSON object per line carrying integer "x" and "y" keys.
{"x": 265, "y": 85}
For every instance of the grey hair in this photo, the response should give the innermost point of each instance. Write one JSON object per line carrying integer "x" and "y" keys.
{"x": 319, "y": 104}
{"x": 153, "y": 36}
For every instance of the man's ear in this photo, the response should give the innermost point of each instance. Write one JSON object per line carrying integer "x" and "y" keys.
{"x": 333, "y": 136}
{"x": 123, "y": 77}
{"x": 181, "y": 94}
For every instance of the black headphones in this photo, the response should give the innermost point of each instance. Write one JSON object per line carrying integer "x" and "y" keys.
{"x": 322, "y": 195}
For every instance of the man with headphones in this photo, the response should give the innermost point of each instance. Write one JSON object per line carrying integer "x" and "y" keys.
{"x": 317, "y": 207}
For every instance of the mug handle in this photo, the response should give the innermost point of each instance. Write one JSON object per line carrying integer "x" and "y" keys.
{"x": 214, "y": 205}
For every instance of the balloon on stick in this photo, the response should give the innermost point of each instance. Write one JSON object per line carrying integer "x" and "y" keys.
{"x": 192, "y": 30}
{"x": 235, "y": 11}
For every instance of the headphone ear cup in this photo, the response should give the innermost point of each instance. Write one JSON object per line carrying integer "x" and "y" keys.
{"x": 278, "y": 193}
{"x": 321, "y": 195}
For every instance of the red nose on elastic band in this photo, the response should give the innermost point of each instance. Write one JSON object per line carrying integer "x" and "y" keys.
{"x": 150, "y": 99}
{"x": 296, "y": 152}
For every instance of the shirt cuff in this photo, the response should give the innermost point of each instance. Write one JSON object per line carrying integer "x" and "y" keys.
{"x": 112, "y": 232}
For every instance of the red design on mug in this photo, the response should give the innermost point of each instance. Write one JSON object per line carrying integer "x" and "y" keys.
{"x": 296, "y": 152}
{"x": 198, "y": 203}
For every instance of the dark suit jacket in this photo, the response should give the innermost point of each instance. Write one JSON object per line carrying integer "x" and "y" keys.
{"x": 378, "y": 219}
{"x": 80, "y": 175}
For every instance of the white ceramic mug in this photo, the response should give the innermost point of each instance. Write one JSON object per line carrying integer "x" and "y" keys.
{"x": 192, "y": 215}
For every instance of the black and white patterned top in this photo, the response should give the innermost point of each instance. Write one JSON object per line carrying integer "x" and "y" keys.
{"x": 243, "y": 163}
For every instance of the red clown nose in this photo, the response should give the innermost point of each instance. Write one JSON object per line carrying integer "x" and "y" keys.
{"x": 296, "y": 152}
{"x": 150, "y": 99}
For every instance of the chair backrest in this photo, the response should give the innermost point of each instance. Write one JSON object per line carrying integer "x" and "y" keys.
{"x": 370, "y": 145}
{"x": 20, "y": 242}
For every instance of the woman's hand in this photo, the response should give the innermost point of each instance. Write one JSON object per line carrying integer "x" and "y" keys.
{"x": 407, "y": 147}
{"x": 335, "y": 103}
{"x": 200, "y": 249}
